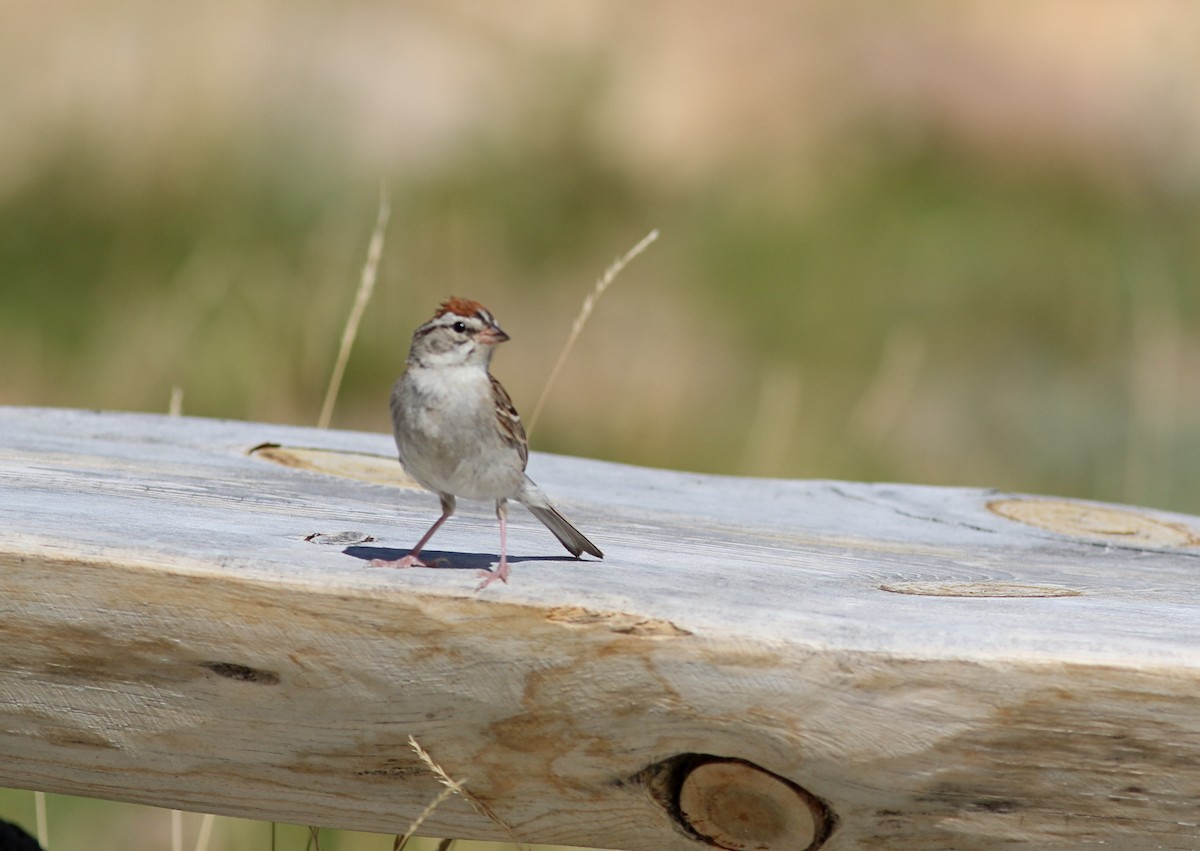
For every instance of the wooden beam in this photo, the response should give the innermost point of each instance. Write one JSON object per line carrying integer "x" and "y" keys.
{"x": 189, "y": 621}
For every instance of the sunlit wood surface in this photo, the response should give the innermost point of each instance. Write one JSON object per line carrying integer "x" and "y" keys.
{"x": 188, "y": 619}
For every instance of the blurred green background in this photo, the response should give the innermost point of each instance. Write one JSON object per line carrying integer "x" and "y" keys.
{"x": 943, "y": 243}
{"x": 84, "y": 824}
{"x": 927, "y": 242}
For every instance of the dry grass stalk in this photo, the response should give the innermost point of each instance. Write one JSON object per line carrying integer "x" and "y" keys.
{"x": 43, "y": 831}
{"x": 408, "y": 834}
{"x": 314, "y": 838}
{"x": 610, "y": 274}
{"x": 366, "y": 286}
{"x": 458, "y": 787}
{"x": 206, "y": 826}
{"x": 175, "y": 406}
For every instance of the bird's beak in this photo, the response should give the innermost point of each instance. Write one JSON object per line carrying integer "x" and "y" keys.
{"x": 492, "y": 335}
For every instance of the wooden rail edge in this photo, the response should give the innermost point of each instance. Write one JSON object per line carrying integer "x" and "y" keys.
{"x": 188, "y": 619}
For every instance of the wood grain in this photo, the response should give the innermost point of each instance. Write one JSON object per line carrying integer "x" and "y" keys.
{"x": 186, "y": 622}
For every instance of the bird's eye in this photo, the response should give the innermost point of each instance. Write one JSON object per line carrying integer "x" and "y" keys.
{"x": 460, "y": 326}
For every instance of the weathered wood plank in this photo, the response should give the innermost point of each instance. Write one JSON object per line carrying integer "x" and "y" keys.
{"x": 942, "y": 668}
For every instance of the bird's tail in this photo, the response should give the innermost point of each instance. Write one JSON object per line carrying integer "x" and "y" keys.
{"x": 570, "y": 537}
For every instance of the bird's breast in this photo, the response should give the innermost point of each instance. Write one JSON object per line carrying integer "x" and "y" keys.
{"x": 447, "y": 436}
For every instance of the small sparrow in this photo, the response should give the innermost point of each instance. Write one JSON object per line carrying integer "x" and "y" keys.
{"x": 459, "y": 434}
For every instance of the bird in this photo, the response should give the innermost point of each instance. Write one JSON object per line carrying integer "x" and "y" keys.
{"x": 459, "y": 435}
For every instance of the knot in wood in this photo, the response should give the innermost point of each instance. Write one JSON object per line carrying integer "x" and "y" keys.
{"x": 737, "y": 805}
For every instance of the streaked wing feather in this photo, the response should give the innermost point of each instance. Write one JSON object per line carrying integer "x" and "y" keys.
{"x": 508, "y": 421}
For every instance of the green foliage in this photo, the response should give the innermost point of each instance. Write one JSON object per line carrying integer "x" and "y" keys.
{"x": 1050, "y": 320}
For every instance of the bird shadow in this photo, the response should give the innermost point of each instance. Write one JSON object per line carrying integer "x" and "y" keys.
{"x": 446, "y": 560}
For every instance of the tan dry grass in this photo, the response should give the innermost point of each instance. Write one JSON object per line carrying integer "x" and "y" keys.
{"x": 43, "y": 831}
{"x": 455, "y": 787}
{"x": 589, "y": 303}
{"x": 366, "y": 287}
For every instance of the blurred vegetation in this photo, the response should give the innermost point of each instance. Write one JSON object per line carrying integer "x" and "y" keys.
{"x": 86, "y": 824}
{"x": 927, "y": 318}
{"x": 946, "y": 249}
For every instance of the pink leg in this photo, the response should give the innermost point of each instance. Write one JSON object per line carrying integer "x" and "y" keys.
{"x": 413, "y": 559}
{"x": 502, "y": 570}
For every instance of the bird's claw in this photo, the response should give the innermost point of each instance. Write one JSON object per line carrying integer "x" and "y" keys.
{"x": 490, "y": 576}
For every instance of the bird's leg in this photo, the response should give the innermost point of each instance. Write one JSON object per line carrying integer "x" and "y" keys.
{"x": 413, "y": 559}
{"x": 501, "y": 571}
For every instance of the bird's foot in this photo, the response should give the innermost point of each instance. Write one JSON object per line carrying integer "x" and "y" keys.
{"x": 489, "y": 576}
